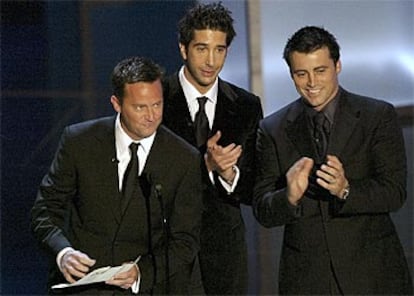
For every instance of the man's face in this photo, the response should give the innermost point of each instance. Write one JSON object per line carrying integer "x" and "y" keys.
{"x": 204, "y": 57}
{"x": 315, "y": 76}
{"x": 141, "y": 108}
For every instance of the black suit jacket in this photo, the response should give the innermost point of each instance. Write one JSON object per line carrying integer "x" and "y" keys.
{"x": 357, "y": 237}
{"x": 78, "y": 205}
{"x": 223, "y": 253}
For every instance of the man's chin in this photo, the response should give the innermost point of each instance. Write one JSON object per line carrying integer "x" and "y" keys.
{"x": 148, "y": 133}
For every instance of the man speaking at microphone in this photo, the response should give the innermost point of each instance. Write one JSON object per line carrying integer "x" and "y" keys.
{"x": 113, "y": 187}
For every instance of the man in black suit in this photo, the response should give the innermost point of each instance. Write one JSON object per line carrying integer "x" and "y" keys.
{"x": 333, "y": 186}
{"x": 231, "y": 117}
{"x": 85, "y": 218}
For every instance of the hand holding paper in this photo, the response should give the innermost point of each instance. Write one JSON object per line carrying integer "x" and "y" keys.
{"x": 75, "y": 264}
{"x": 105, "y": 274}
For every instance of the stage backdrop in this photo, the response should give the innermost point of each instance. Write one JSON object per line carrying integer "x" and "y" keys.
{"x": 57, "y": 56}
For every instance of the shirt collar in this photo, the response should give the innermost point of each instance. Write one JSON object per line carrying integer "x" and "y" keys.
{"x": 328, "y": 110}
{"x": 191, "y": 93}
{"x": 123, "y": 140}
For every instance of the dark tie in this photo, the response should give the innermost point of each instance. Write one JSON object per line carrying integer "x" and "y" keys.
{"x": 321, "y": 134}
{"x": 130, "y": 181}
{"x": 202, "y": 128}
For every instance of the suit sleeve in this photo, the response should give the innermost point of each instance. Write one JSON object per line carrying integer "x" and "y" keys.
{"x": 49, "y": 211}
{"x": 270, "y": 204}
{"x": 244, "y": 190}
{"x": 378, "y": 177}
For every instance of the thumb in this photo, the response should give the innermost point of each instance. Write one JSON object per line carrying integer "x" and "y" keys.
{"x": 214, "y": 139}
{"x": 307, "y": 164}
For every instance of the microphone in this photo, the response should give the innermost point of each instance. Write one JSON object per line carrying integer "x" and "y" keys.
{"x": 114, "y": 160}
{"x": 145, "y": 184}
{"x": 158, "y": 188}
{"x": 165, "y": 230}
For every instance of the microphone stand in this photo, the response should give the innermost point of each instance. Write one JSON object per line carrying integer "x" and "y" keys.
{"x": 145, "y": 187}
{"x": 166, "y": 230}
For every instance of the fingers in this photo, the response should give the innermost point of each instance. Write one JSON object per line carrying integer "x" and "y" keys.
{"x": 300, "y": 168}
{"x": 126, "y": 279}
{"x": 229, "y": 155}
{"x": 331, "y": 176}
{"x": 75, "y": 264}
{"x": 305, "y": 165}
{"x": 68, "y": 276}
{"x": 223, "y": 158}
{"x": 85, "y": 260}
{"x": 212, "y": 142}
{"x": 297, "y": 179}
{"x": 219, "y": 158}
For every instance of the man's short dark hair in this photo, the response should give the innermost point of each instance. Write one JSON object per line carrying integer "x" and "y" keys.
{"x": 212, "y": 16}
{"x": 131, "y": 70}
{"x": 309, "y": 39}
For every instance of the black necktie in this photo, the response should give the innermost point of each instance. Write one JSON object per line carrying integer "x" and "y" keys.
{"x": 321, "y": 134}
{"x": 202, "y": 128}
{"x": 130, "y": 181}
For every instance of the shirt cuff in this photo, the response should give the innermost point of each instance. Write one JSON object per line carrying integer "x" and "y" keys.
{"x": 60, "y": 255}
{"x": 230, "y": 187}
{"x": 135, "y": 286}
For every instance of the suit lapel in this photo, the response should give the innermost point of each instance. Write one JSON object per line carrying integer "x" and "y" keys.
{"x": 346, "y": 118}
{"x": 106, "y": 140}
{"x": 176, "y": 114}
{"x": 157, "y": 161}
{"x": 226, "y": 115}
{"x": 225, "y": 108}
{"x": 296, "y": 124}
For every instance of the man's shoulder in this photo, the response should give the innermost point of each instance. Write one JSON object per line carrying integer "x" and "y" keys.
{"x": 292, "y": 107}
{"x": 363, "y": 102}
{"x": 228, "y": 88}
{"x": 242, "y": 97}
{"x": 91, "y": 126}
{"x": 174, "y": 141}
{"x": 282, "y": 115}
{"x": 170, "y": 78}
{"x": 170, "y": 84}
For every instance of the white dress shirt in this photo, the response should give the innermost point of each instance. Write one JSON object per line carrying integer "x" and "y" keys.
{"x": 191, "y": 94}
{"x": 122, "y": 142}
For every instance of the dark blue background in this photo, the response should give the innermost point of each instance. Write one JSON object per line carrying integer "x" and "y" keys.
{"x": 56, "y": 61}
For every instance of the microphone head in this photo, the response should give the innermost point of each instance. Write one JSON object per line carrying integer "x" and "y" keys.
{"x": 158, "y": 187}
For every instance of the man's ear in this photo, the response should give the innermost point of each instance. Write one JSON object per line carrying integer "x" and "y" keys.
{"x": 338, "y": 66}
{"x": 116, "y": 104}
{"x": 183, "y": 51}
